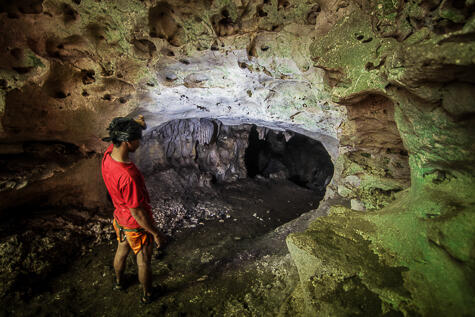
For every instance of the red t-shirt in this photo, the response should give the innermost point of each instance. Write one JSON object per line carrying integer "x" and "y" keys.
{"x": 126, "y": 187}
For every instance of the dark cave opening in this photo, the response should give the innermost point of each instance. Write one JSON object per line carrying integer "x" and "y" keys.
{"x": 296, "y": 157}
{"x": 252, "y": 153}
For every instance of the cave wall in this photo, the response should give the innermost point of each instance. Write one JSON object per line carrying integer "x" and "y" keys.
{"x": 420, "y": 258}
{"x": 345, "y": 72}
{"x": 203, "y": 145}
{"x": 204, "y": 151}
{"x": 373, "y": 161}
{"x": 76, "y": 64}
{"x": 36, "y": 175}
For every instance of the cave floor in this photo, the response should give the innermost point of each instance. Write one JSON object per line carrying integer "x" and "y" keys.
{"x": 238, "y": 266}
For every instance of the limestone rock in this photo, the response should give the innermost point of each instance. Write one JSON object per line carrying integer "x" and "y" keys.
{"x": 386, "y": 86}
{"x": 344, "y": 276}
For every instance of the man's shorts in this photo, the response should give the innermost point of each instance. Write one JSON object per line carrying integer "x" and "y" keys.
{"x": 136, "y": 238}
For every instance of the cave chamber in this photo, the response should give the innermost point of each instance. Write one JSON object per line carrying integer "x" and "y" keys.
{"x": 188, "y": 164}
{"x": 305, "y": 158}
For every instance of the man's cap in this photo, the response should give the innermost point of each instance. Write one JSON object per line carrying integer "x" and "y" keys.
{"x": 122, "y": 129}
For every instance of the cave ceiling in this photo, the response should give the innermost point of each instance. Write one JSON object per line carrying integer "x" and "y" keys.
{"x": 77, "y": 64}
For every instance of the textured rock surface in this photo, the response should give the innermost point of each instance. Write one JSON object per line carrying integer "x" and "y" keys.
{"x": 386, "y": 86}
{"x": 219, "y": 59}
{"x": 410, "y": 54}
{"x": 347, "y": 281}
{"x": 46, "y": 245}
{"x": 204, "y": 151}
{"x": 374, "y": 162}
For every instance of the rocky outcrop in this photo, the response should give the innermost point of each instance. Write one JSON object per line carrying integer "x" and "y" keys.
{"x": 341, "y": 274}
{"x": 408, "y": 55}
{"x": 38, "y": 174}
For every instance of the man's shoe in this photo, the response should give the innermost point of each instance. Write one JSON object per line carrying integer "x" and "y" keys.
{"x": 118, "y": 286}
{"x": 146, "y": 299}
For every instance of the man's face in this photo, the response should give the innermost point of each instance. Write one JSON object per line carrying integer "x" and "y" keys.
{"x": 133, "y": 145}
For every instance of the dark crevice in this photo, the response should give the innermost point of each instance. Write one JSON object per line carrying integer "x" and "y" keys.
{"x": 60, "y": 95}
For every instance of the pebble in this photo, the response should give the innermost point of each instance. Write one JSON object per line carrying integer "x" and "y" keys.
{"x": 221, "y": 220}
{"x": 204, "y": 277}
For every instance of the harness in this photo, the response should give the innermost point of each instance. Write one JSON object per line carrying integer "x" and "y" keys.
{"x": 122, "y": 230}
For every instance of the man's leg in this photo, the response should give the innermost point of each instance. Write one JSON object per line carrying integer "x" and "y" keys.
{"x": 120, "y": 258}
{"x": 144, "y": 259}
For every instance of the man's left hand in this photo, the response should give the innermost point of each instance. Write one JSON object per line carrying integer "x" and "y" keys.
{"x": 160, "y": 239}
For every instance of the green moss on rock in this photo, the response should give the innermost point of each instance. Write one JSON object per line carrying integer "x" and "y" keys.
{"x": 340, "y": 273}
{"x": 354, "y": 50}
{"x": 397, "y": 258}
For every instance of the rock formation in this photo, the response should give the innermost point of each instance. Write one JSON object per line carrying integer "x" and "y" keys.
{"x": 386, "y": 87}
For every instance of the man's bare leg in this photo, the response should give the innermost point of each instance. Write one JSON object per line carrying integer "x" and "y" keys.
{"x": 144, "y": 259}
{"x": 120, "y": 258}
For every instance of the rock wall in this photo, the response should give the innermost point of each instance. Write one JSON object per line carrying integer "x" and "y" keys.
{"x": 347, "y": 73}
{"x": 418, "y": 250}
{"x": 77, "y": 64}
{"x": 373, "y": 162}
{"x": 34, "y": 175}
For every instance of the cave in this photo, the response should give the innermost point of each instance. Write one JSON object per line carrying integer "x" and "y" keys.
{"x": 202, "y": 169}
{"x": 304, "y": 158}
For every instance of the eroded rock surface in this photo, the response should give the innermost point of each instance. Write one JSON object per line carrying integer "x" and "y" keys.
{"x": 409, "y": 54}
{"x": 386, "y": 86}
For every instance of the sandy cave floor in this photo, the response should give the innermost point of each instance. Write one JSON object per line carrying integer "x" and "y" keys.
{"x": 236, "y": 266}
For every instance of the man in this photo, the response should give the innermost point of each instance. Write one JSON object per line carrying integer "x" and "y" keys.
{"x": 133, "y": 222}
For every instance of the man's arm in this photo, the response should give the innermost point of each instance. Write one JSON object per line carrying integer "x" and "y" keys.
{"x": 143, "y": 219}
